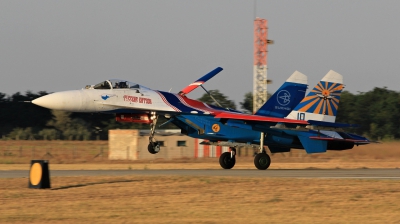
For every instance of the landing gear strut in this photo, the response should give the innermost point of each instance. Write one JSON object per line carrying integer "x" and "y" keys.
{"x": 227, "y": 160}
{"x": 154, "y": 146}
{"x": 262, "y": 159}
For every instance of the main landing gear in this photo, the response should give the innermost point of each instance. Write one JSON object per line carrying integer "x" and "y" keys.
{"x": 262, "y": 159}
{"x": 227, "y": 160}
{"x": 154, "y": 146}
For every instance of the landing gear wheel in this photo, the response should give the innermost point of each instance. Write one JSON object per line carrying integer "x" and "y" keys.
{"x": 153, "y": 147}
{"x": 227, "y": 161}
{"x": 262, "y": 161}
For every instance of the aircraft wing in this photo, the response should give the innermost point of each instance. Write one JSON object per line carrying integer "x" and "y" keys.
{"x": 358, "y": 141}
{"x": 248, "y": 117}
{"x": 199, "y": 81}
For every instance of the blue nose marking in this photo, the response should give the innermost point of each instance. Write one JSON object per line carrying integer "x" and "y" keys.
{"x": 105, "y": 97}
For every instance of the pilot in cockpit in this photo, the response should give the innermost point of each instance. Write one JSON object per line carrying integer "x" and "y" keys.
{"x": 123, "y": 85}
{"x": 116, "y": 85}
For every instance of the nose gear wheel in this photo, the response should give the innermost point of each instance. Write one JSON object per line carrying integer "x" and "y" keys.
{"x": 153, "y": 147}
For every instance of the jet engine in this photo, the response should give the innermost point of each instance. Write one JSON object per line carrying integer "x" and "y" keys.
{"x": 338, "y": 145}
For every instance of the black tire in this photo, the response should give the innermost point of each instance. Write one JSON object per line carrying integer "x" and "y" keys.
{"x": 226, "y": 161}
{"x": 262, "y": 161}
{"x": 153, "y": 148}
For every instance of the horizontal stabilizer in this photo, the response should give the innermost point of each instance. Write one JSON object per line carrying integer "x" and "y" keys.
{"x": 200, "y": 81}
{"x": 359, "y": 140}
{"x": 358, "y": 137}
{"x": 247, "y": 117}
{"x": 332, "y": 125}
{"x": 340, "y": 139}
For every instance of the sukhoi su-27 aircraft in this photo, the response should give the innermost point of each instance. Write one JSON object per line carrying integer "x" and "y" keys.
{"x": 287, "y": 120}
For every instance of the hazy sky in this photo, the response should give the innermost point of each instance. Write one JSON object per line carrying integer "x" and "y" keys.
{"x": 63, "y": 45}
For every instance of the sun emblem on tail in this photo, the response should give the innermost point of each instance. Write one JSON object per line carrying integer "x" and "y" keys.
{"x": 326, "y": 94}
{"x": 323, "y": 99}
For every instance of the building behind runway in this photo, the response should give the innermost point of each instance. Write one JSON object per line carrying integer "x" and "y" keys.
{"x": 132, "y": 145}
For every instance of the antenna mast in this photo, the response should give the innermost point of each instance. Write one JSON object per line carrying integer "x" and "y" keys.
{"x": 260, "y": 80}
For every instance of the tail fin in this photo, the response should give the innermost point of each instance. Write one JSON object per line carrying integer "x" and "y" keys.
{"x": 282, "y": 102}
{"x": 322, "y": 102}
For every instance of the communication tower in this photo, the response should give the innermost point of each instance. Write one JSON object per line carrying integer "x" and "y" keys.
{"x": 260, "y": 80}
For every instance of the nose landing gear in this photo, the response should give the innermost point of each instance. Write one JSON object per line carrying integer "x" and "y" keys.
{"x": 154, "y": 146}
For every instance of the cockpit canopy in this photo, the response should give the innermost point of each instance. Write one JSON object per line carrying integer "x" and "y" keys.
{"x": 116, "y": 84}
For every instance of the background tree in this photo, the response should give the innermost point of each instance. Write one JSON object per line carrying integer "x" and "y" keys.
{"x": 247, "y": 104}
{"x": 49, "y": 134}
{"x": 220, "y": 97}
{"x": 15, "y": 113}
{"x": 71, "y": 129}
{"x": 377, "y": 113}
{"x": 3, "y": 98}
{"x": 22, "y": 134}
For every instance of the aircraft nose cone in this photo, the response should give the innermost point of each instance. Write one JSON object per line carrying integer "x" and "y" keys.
{"x": 66, "y": 101}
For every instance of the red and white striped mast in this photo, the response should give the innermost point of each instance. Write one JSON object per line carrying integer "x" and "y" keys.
{"x": 260, "y": 80}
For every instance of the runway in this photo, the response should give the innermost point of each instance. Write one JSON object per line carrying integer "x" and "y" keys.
{"x": 281, "y": 173}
